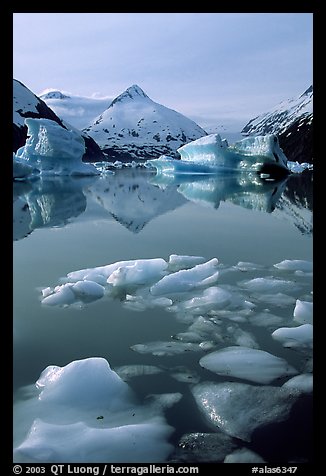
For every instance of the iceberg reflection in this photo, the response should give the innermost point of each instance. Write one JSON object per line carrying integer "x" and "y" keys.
{"x": 47, "y": 202}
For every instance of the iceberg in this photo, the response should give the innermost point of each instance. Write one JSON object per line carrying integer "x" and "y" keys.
{"x": 52, "y": 150}
{"x": 84, "y": 412}
{"x": 303, "y": 312}
{"x": 243, "y": 455}
{"x": 211, "y": 154}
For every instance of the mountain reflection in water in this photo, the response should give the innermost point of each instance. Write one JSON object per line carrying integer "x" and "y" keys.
{"x": 135, "y": 196}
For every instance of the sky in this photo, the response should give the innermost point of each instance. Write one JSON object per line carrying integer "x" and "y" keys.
{"x": 219, "y": 69}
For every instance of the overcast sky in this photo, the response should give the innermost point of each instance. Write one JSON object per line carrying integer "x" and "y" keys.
{"x": 216, "y": 68}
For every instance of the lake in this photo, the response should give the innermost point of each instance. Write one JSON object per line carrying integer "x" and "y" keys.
{"x": 64, "y": 224}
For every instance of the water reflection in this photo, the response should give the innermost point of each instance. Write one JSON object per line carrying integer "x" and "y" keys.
{"x": 134, "y": 197}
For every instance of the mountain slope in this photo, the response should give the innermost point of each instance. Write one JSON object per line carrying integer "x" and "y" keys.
{"x": 292, "y": 121}
{"x": 27, "y": 104}
{"x": 136, "y": 127}
{"x": 281, "y": 116}
{"x": 76, "y": 110}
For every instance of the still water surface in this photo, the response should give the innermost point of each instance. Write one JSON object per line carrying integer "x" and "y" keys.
{"x": 68, "y": 224}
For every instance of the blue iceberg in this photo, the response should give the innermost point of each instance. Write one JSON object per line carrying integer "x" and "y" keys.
{"x": 211, "y": 155}
{"x": 51, "y": 150}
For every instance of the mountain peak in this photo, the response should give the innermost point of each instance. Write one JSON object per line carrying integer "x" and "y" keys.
{"x": 133, "y": 92}
{"x": 307, "y": 92}
{"x": 54, "y": 94}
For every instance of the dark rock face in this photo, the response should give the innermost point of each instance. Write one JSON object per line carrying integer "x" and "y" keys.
{"x": 297, "y": 140}
{"x": 37, "y": 108}
{"x": 93, "y": 152}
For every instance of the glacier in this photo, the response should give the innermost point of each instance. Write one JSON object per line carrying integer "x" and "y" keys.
{"x": 51, "y": 150}
{"x": 210, "y": 155}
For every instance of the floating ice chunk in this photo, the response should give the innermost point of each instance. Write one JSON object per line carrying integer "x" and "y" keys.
{"x": 248, "y": 364}
{"x": 86, "y": 413}
{"x": 165, "y": 348}
{"x": 262, "y": 285}
{"x": 164, "y": 400}
{"x": 62, "y": 295}
{"x": 251, "y": 153}
{"x": 295, "y": 265}
{"x": 247, "y": 266}
{"x": 211, "y": 298}
{"x": 84, "y": 291}
{"x": 54, "y": 150}
{"x": 151, "y": 266}
{"x": 243, "y": 455}
{"x": 303, "y": 382}
{"x": 204, "y": 447}
{"x": 127, "y": 372}
{"x": 238, "y": 408}
{"x": 139, "y": 273}
{"x": 301, "y": 336}
{"x": 46, "y": 291}
{"x": 177, "y": 262}
{"x": 77, "y": 442}
{"x": 185, "y": 280}
{"x": 87, "y": 381}
{"x": 303, "y": 312}
{"x": 87, "y": 291}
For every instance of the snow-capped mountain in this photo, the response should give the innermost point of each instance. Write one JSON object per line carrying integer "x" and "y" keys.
{"x": 77, "y": 110}
{"x": 136, "y": 127}
{"x": 27, "y": 104}
{"x": 281, "y": 116}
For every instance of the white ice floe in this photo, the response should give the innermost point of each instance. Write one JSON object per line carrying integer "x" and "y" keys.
{"x": 239, "y": 408}
{"x": 82, "y": 291}
{"x": 178, "y": 262}
{"x": 247, "y": 266}
{"x": 86, "y": 413}
{"x": 295, "y": 265}
{"x": 243, "y": 455}
{"x": 303, "y": 383}
{"x": 247, "y": 363}
{"x": 140, "y": 272}
{"x": 296, "y": 337}
{"x": 303, "y": 312}
{"x": 53, "y": 150}
{"x": 201, "y": 275}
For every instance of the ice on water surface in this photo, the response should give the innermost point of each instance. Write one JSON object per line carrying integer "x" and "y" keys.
{"x": 248, "y": 364}
{"x": 86, "y": 413}
{"x": 301, "y": 336}
{"x": 238, "y": 408}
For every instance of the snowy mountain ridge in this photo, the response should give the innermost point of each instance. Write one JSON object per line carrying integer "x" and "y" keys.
{"x": 279, "y": 118}
{"x": 27, "y": 105}
{"x": 136, "y": 127}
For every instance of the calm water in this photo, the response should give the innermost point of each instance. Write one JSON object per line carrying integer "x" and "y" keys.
{"x": 68, "y": 224}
